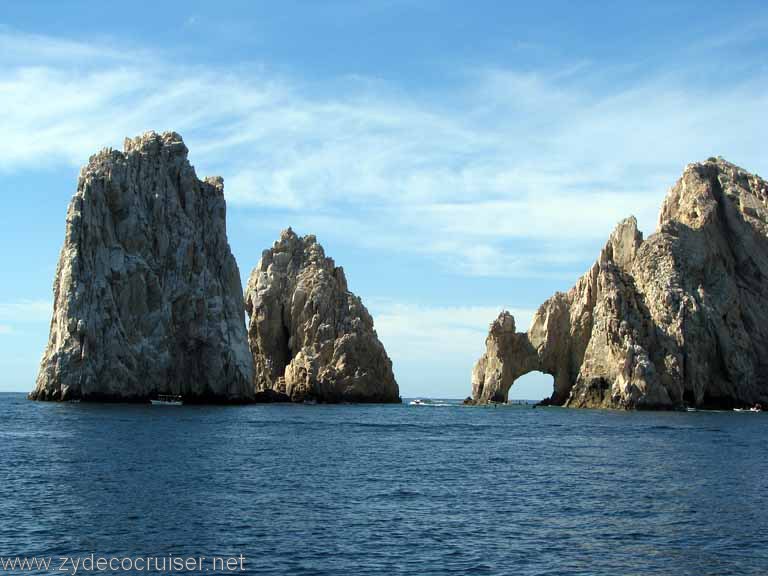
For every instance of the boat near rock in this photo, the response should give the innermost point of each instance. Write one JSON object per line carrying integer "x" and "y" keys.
{"x": 755, "y": 408}
{"x": 167, "y": 400}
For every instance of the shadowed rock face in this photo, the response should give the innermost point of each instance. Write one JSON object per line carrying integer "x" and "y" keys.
{"x": 147, "y": 296}
{"x": 680, "y": 318}
{"x": 311, "y": 338}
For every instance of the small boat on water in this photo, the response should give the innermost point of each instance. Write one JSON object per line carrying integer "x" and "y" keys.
{"x": 434, "y": 403}
{"x": 167, "y": 400}
{"x": 755, "y": 408}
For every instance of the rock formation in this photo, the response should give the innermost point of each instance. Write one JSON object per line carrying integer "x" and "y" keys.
{"x": 147, "y": 296}
{"x": 678, "y": 319}
{"x": 311, "y": 338}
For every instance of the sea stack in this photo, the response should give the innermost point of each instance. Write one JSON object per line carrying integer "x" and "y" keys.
{"x": 311, "y": 338}
{"x": 147, "y": 295}
{"x": 678, "y": 319}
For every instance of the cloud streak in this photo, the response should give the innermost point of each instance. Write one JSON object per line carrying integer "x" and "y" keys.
{"x": 447, "y": 339}
{"x": 24, "y": 316}
{"x": 424, "y": 332}
{"x": 25, "y": 311}
{"x": 505, "y": 157}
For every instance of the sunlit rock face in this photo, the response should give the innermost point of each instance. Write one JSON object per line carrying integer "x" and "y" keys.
{"x": 311, "y": 338}
{"x": 147, "y": 295}
{"x": 678, "y": 319}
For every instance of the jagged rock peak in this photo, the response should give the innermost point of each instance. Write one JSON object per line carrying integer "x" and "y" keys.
{"x": 166, "y": 145}
{"x": 147, "y": 295}
{"x": 704, "y": 186}
{"x": 504, "y": 323}
{"x": 311, "y": 338}
{"x": 623, "y": 243}
{"x": 677, "y": 319}
{"x": 151, "y": 142}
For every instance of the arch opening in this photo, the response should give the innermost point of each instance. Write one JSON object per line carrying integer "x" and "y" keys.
{"x": 533, "y": 386}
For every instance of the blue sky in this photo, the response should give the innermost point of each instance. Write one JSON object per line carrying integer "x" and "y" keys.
{"x": 456, "y": 158}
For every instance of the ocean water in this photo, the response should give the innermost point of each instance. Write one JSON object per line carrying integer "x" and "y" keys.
{"x": 388, "y": 490}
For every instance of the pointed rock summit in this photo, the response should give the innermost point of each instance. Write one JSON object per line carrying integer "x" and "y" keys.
{"x": 678, "y": 319}
{"x": 311, "y": 338}
{"x": 147, "y": 295}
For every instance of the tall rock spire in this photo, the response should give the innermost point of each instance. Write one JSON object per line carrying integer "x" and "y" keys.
{"x": 147, "y": 295}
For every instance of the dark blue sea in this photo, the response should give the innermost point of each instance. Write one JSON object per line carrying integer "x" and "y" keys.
{"x": 362, "y": 490}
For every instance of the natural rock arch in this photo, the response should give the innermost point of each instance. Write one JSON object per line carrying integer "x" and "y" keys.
{"x": 511, "y": 355}
{"x": 676, "y": 319}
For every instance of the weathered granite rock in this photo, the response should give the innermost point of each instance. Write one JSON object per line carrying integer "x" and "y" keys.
{"x": 508, "y": 356}
{"x": 680, "y": 318}
{"x": 311, "y": 338}
{"x": 147, "y": 296}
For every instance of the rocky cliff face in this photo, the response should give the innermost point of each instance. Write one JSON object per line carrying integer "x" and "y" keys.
{"x": 147, "y": 296}
{"x": 311, "y": 338}
{"x": 680, "y": 318}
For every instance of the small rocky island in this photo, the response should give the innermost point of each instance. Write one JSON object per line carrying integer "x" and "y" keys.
{"x": 311, "y": 338}
{"x": 147, "y": 295}
{"x": 678, "y": 319}
{"x": 148, "y": 299}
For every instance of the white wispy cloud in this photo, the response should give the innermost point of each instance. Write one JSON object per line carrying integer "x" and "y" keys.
{"x": 446, "y": 339}
{"x": 33, "y": 49}
{"x": 426, "y": 332}
{"x": 25, "y": 311}
{"x": 556, "y": 157}
{"x": 24, "y": 315}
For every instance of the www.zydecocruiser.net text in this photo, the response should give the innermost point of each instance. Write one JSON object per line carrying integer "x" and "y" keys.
{"x": 127, "y": 564}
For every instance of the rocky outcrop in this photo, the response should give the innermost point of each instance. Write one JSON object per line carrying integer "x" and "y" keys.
{"x": 311, "y": 338}
{"x": 147, "y": 296}
{"x": 508, "y": 356}
{"x": 678, "y": 319}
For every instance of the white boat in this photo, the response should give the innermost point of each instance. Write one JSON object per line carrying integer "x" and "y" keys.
{"x": 757, "y": 408}
{"x": 167, "y": 400}
{"x": 430, "y": 403}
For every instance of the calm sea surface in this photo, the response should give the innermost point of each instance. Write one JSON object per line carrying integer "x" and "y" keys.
{"x": 389, "y": 490}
